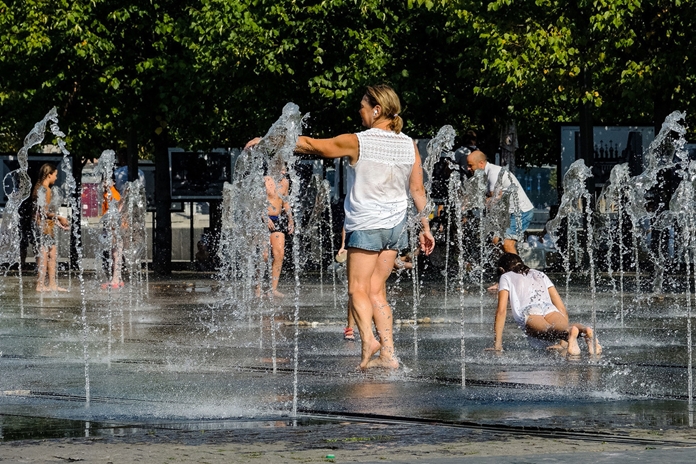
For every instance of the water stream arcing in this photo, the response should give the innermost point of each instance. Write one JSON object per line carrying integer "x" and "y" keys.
{"x": 245, "y": 240}
{"x": 17, "y": 185}
{"x": 178, "y": 367}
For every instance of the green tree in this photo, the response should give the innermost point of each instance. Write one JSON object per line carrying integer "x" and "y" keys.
{"x": 546, "y": 59}
{"x": 659, "y": 68}
{"x": 211, "y": 73}
{"x": 110, "y": 66}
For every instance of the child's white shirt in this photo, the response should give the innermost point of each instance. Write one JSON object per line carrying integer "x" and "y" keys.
{"x": 526, "y": 291}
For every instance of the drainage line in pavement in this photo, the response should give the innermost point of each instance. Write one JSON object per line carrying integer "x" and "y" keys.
{"x": 546, "y": 432}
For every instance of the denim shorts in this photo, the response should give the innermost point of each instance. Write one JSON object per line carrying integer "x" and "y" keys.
{"x": 395, "y": 238}
{"x": 525, "y": 219}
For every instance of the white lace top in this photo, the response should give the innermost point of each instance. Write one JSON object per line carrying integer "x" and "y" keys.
{"x": 377, "y": 196}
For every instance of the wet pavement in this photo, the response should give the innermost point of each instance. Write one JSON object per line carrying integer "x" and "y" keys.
{"x": 172, "y": 355}
{"x": 326, "y": 439}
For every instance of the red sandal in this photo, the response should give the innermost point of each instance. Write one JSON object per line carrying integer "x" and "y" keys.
{"x": 348, "y": 334}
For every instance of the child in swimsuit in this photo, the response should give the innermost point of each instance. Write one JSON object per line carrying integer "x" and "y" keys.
{"x": 45, "y": 220}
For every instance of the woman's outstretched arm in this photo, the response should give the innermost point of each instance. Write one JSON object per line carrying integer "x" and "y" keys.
{"x": 335, "y": 147}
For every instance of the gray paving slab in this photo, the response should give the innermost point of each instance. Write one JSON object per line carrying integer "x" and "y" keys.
{"x": 672, "y": 456}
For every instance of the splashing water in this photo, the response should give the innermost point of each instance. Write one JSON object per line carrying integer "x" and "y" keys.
{"x": 20, "y": 191}
{"x": 613, "y": 199}
{"x": 245, "y": 239}
{"x": 134, "y": 236}
{"x": 69, "y": 190}
{"x": 570, "y": 209}
{"x": 107, "y": 233}
{"x": 456, "y": 202}
{"x": 438, "y": 146}
{"x": 683, "y": 211}
{"x": 318, "y": 227}
{"x": 17, "y": 185}
{"x": 491, "y": 218}
{"x": 654, "y": 226}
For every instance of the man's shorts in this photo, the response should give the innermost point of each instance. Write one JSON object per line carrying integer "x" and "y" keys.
{"x": 395, "y": 238}
{"x": 515, "y": 233}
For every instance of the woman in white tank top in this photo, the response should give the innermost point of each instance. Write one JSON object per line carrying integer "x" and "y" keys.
{"x": 387, "y": 168}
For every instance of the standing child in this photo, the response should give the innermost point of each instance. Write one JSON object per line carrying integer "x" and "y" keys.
{"x": 280, "y": 222}
{"x": 45, "y": 218}
{"x": 537, "y": 308}
{"x": 112, "y": 231}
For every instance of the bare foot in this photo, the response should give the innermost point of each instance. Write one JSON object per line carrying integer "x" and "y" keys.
{"x": 384, "y": 363}
{"x": 592, "y": 343}
{"x": 562, "y": 345}
{"x": 369, "y": 350}
{"x": 40, "y": 288}
{"x": 573, "y": 348}
{"x": 57, "y": 289}
{"x": 277, "y": 294}
{"x": 112, "y": 285}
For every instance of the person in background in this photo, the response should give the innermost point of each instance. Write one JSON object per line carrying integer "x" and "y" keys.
{"x": 521, "y": 212}
{"x": 460, "y": 155}
{"x": 45, "y": 220}
{"x": 121, "y": 173}
{"x": 442, "y": 171}
{"x": 279, "y": 217}
{"x": 113, "y": 226}
{"x": 203, "y": 261}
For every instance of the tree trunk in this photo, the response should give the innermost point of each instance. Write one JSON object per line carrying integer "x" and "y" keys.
{"x": 162, "y": 252}
{"x": 132, "y": 150}
{"x": 215, "y": 228}
{"x": 587, "y": 129}
{"x": 77, "y": 222}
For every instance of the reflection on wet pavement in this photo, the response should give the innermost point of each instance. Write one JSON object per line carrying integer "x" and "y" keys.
{"x": 178, "y": 354}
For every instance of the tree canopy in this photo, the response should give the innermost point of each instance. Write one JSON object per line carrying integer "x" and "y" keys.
{"x": 217, "y": 72}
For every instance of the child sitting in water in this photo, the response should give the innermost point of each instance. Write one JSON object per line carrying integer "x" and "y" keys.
{"x": 537, "y": 308}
